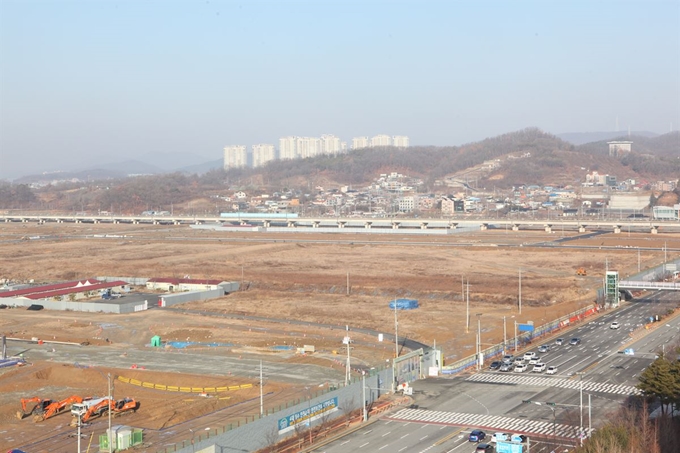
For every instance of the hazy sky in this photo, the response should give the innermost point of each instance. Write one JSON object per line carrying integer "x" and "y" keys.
{"x": 100, "y": 80}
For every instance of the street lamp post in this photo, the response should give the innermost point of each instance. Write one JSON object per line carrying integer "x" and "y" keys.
{"x": 580, "y": 434}
{"x": 479, "y": 341}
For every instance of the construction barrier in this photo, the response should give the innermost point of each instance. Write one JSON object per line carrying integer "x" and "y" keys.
{"x": 171, "y": 388}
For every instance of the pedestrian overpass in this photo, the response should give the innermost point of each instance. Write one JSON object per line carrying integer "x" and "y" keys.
{"x": 654, "y": 286}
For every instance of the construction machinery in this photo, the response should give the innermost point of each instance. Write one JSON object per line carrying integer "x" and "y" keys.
{"x": 57, "y": 407}
{"x": 98, "y": 407}
{"x": 37, "y": 408}
{"x": 581, "y": 272}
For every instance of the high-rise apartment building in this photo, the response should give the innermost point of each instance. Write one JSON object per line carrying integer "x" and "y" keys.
{"x": 381, "y": 140}
{"x": 235, "y": 156}
{"x": 262, "y": 154}
{"x": 400, "y": 141}
{"x": 330, "y": 144}
{"x": 288, "y": 148}
{"x": 359, "y": 142}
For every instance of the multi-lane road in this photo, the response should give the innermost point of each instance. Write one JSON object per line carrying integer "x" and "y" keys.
{"x": 446, "y": 410}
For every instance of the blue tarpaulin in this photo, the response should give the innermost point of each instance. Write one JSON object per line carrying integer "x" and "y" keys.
{"x": 404, "y": 304}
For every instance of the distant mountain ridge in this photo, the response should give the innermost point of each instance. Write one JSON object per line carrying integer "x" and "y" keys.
{"x": 580, "y": 138}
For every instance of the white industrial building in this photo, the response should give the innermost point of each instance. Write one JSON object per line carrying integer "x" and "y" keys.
{"x": 666, "y": 212}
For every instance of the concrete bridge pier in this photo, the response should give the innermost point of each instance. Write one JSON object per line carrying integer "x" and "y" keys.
{"x": 341, "y": 224}
{"x": 548, "y": 228}
{"x": 395, "y": 225}
{"x": 617, "y": 229}
{"x": 423, "y": 226}
{"x": 453, "y": 225}
{"x": 315, "y": 224}
{"x": 515, "y": 227}
{"x": 654, "y": 230}
{"x": 368, "y": 225}
{"x": 581, "y": 228}
{"x": 266, "y": 223}
{"x": 484, "y": 227}
{"x": 292, "y": 224}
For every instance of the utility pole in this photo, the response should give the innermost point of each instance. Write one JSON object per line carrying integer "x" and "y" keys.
{"x": 479, "y": 340}
{"x": 638, "y": 259}
{"x": 580, "y": 435}
{"x": 520, "y": 290}
{"x": 108, "y": 433}
{"x": 363, "y": 393}
{"x": 348, "y": 283}
{"x": 347, "y": 366}
{"x": 504, "y": 335}
{"x": 467, "y": 309}
{"x": 589, "y": 418}
{"x": 665, "y": 252}
{"x": 396, "y": 331}
{"x": 261, "y": 393}
{"x": 515, "y": 336}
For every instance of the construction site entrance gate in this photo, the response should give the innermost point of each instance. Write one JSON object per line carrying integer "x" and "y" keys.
{"x": 407, "y": 368}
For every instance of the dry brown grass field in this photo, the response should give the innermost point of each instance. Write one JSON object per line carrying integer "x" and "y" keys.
{"x": 298, "y": 277}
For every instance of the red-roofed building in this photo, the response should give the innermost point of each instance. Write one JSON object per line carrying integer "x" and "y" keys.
{"x": 182, "y": 284}
{"x": 79, "y": 289}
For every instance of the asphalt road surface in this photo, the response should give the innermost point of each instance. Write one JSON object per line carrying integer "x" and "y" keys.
{"x": 445, "y": 410}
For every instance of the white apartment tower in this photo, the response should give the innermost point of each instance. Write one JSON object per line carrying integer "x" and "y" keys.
{"x": 235, "y": 156}
{"x": 400, "y": 141}
{"x": 262, "y": 154}
{"x": 381, "y": 140}
{"x": 359, "y": 142}
{"x": 287, "y": 148}
{"x": 330, "y": 144}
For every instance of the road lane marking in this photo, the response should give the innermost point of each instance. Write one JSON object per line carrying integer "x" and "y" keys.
{"x": 386, "y": 434}
{"x": 423, "y": 438}
{"x": 362, "y": 446}
{"x": 345, "y": 442}
{"x": 384, "y": 446}
{"x": 368, "y": 431}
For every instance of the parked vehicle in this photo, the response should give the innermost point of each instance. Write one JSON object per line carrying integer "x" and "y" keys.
{"x": 539, "y": 367}
{"x": 574, "y": 341}
{"x": 506, "y": 367}
{"x": 495, "y": 365}
{"x": 486, "y": 448}
{"x": 477, "y": 435}
{"x": 520, "y": 368}
{"x": 551, "y": 370}
{"x": 499, "y": 437}
{"x": 518, "y": 438}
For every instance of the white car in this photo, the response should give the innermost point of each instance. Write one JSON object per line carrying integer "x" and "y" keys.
{"x": 520, "y": 368}
{"x": 534, "y": 360}
{"x": 529, "y": 355}
{"x": 539, "y": 367}
{"x": 500, "y": 437}
{"x": 614, "y": 325}
{"x": 519, "y": 361}
{"x": 551, "y": 370}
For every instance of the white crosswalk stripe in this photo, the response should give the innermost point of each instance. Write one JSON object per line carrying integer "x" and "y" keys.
{"x": 491, "y": 422}
{"x": 538, "y": 381}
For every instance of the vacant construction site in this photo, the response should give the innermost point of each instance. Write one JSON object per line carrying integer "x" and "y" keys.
{"x": 296, "y": 291}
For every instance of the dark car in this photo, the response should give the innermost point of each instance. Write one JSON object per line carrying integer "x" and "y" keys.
{"x": 575, "y": 341}
{"x": 484, "y": 448}
{"x": 35, "y": 307}
{"x": 477, "y": 435}
{"x": 495, "y": 365}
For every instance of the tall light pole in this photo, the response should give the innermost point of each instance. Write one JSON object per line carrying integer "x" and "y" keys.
{"x": 504, "y": 335}
{"x": 580, "y": 434}
{"x": 396, "y": 331}
{"x": 261, "y": 392}
{"x": 479, "y": 341}
{"x": 363, "y": 393}
{"x": 467, "y": 308}
{"x": 520, "y": 290}
{"x": 638, "y": 259}
{"x": 108, "y": 433}
{"x": 515, "y": 336}
{"x": 348, "y": 364}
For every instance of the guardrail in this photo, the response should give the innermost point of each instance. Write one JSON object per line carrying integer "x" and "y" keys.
{"x": 627, "y": 284}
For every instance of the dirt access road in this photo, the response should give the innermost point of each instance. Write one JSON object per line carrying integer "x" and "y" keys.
{"x": 301, "y": 277}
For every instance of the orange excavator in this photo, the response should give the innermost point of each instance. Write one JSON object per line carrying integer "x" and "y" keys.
{"x": 37, "y": 408}
{"x": 57, "y": 407}
{"x": 97, "y": 408}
